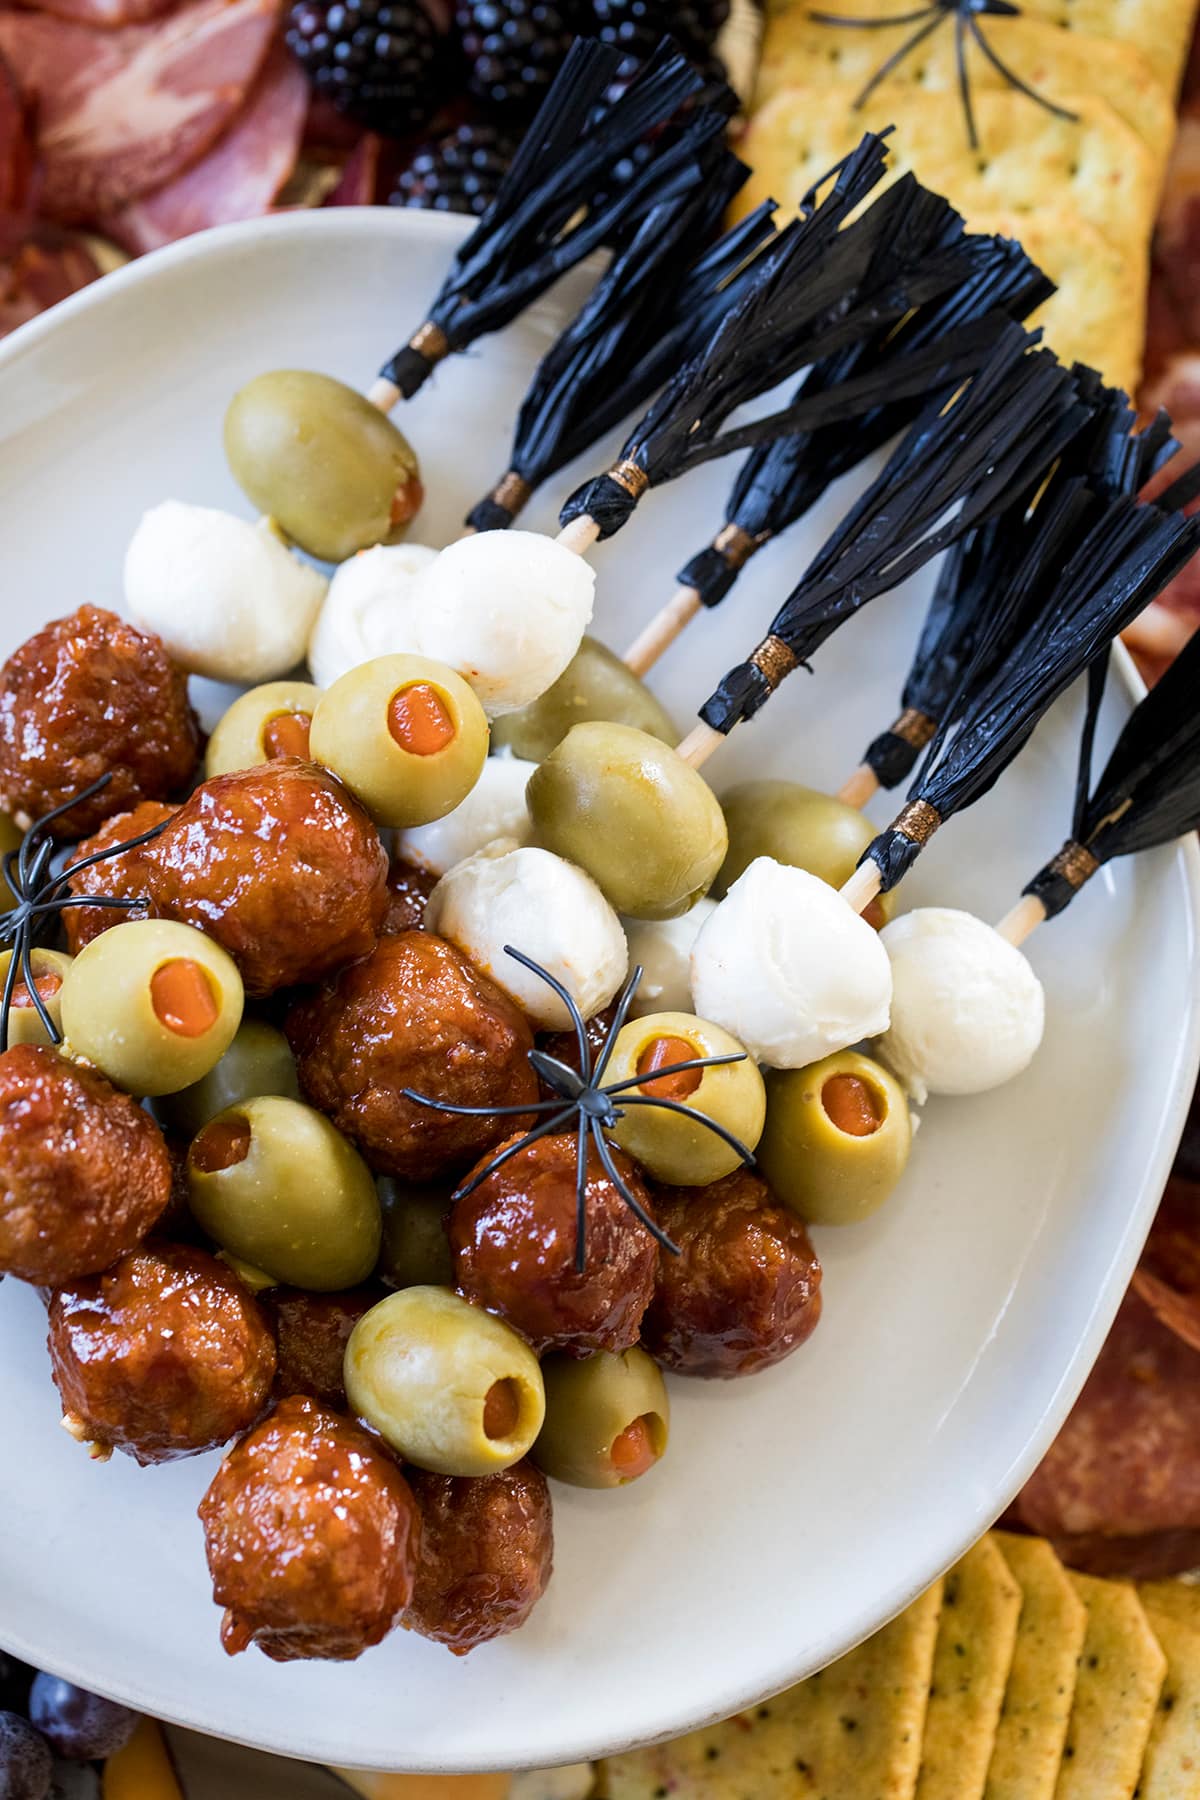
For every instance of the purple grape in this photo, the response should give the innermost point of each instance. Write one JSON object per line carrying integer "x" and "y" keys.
{"x": 15, "y": 1677}
{"x": 25, "y": 1761}
{"x": 81, "y": 1726}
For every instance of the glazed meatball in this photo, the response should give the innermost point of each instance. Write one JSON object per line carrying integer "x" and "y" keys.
{"x": 310, "y": 1336}
{"x": 409, "y": 889}
{"x": 90, "y": 696}
{"x": 513, "y": 1242}
{"x": 164, "y": 1355}
{"x": 84, "y": 1172}
{"x": 487, "y": 1550}
{"x": 123, "y": 877}
{"x": 278, "y": 864}
{"x": 745, "y": 1290}
{"x": 312, "y": 1535}
{"x": 415, "y": 1014}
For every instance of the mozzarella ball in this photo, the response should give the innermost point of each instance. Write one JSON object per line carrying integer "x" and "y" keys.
{"x": 508, "y": 610}
{"x": 544, "y": 907}
{"x": 663, "y": 947}
{"x": 227, "y": 597}
{"x": 494, "y": 809}
{"x": 786, "y": 966}
{"x": 366, "y": 612}
{"x": 967, "y": 1009}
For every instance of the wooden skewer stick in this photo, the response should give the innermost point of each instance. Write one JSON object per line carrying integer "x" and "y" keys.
{"x": 662, "y": 631}
{"x": 862, "y": 887}
{"x": 579, "y": 535}
{"x": 1021, "y": 920}
{"x": 859, "y": 787}
{"x": 699, "y": 744}
{"x": 384, "y": 394}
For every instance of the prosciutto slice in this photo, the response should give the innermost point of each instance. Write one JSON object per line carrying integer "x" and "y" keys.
{"x": 107, "y": 13}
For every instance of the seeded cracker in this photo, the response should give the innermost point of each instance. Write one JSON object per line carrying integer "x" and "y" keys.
{"x": 1116, "y": 1696}
{"x": 976, "y": 1634}
{"x": 1172, "y": 1767}
{"x": 1041, "y": 1682}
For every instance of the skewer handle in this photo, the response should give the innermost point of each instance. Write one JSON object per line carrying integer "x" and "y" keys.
{"x": 860, "y": 787}
{"x": 699, "y": 744}
{"x": 1022, "y": 919}
{"x": 579, "y": 535}
{"x": 384, "y": 394}
{"x": 663, "y": 629}
{"x": 862, "y": 887}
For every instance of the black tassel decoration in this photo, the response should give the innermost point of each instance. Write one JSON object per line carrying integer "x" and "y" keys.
{"x": 559, "y": 202}
{"x": 1124, "y": 559}
{"x": 958, "y": 464}
{"x": 780, "y": 481}
{"x": 603, "y": 366}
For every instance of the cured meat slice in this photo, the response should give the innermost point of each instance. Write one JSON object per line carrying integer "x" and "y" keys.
{"x": 1168, "y": 1275}
{"x": 360, "y": 175}
{"x": 238, "y": 178}
{"x": 107, "y": 13}
{"x": 123, "y": 112}
{"x": 46, "y": 268}
{"x": 1127, "y": 1461}
{"x": 1148, "y": 1558}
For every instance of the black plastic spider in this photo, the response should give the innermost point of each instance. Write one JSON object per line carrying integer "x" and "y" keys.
{"x": 41, "y": 897}
{"x": 966, "y": 15}
{"x": 580, "y": 1096}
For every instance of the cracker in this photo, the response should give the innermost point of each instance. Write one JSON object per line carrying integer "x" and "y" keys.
{"x": 1171, "y": 1770}
{"x": 1160, "y": 29}
{"x": 976, "y": 1634}
{"x": 1098, "y": 315}
{"x": 1041, "y": 1682}
{"x": 853, "y": 1729}
{"x": 799, "y": 52}
{"x": 1095, "y": 166}
{"x": 1116, "y": 1695}
{"x": 1179, "y": 1599}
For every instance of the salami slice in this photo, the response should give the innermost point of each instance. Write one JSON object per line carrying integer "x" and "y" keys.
{"x": 120, "y": 113}
{"x": 107, "y": 13}
{"x": 238, "y": 178}
{"x": 1149, "y": 1558}
{"x": 47, "y": 267}
{"x": 1127, "y": 1461}
{"x": 1168, "y": 1275}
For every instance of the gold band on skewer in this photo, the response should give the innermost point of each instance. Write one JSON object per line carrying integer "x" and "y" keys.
{"x": 1075, "y": 863}
{"x": 917, "y": 822}
{"x": 512, "y": 492}
{"x": 630, "y": 476}
{"x": 914, "y": 728}
{"x": 430, "y": 342}
{"x": 736, "y": 546}
{"x": 774, "y": 660}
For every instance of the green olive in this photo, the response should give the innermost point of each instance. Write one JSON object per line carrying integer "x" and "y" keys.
{"x": 607, "y": 1419}
{"x": 801, "y": 827}
{"x": 447, "y": 1385}
{"x": 671, "y": 1147}
{"x": 153, "y": 1004}
{"x": 258, "y": 1061}
{"x": 625, "y": 807}
{"x": 416, "y": 1250}
{"x": 268, "y": 721}
{"x": 317, "y": 457}
{"x": 273, "y": 1183}
{"x": 405, "y": 734}
{"x": 595, "y": 685}
{"x": 836, "y": 1139}
{"x": 247, "y": 1274}
{"x": 49, "y": 972}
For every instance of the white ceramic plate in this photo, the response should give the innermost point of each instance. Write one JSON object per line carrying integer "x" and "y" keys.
{"x": 798, "y": 1510}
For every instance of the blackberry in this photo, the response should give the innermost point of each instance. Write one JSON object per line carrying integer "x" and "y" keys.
{"x": 458, "y": 172}
{"x": 636, "y": 26}
{"x": 514, "y": 49}
{"x": 381, "y": 62}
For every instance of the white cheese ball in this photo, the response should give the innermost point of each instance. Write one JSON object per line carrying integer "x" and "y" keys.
{"x": 494, "y": 808}
{"x": 508, "y": 610}
{"x": 366, "y": 612}
{"x": 967, "y": 1009}
{"x": 546, "y": 908}
{"x": 787, "y": 967}
{"x": 227, "y": 597}
{"x": 663, "y": 947}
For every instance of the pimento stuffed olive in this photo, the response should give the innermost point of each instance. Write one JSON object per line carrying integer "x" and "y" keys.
{"x": 312, "y": 1534}
{"x": 89, "y": 696}
{"x": 25, "y": 1022}
{"x": 125, "y": 876}
{"x": 669, "y": 1145}
{"x": 84, "y": 1172}
{"x": 745, "y": 1289}
{"x": 514, "y": 1243}
{"x": 262, "y": 725}
{"x": 280, "y": 866}
{"x": 487, "y": 1552}
{"x": 607, "y": 1419}
{"x": 837, "y": 1137}
{"x": 414, "y": 1014}
{"x": 163, "y": 1355}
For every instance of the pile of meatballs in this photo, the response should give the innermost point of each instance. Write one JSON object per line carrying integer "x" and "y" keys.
{"x": 241, "y": 1218}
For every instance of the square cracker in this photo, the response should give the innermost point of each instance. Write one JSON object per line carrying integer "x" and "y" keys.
{"x": 1180, "y": 1599}
{"x": 854, "y": 1729}
{"x": 799, "y": 52}
{"x": 976, "y": 1634}
{"x": 1041, "y": 1683}
{"x": 1116, "y": 1695}
{"x": 1098, "y": 315}
{"x": 1095, "y": 165}
{"x": 1160, "y": 29}
{"x": 1171, "y": 1770}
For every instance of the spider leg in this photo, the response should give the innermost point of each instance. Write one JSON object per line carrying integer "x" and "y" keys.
{"x": 52, "y": 1031}
{"x": 619, "y": 1018}
{"x": 497, "y": 1162}
{"x": 679, "y": 1068}
{"x": 897, "y": 57}
{"x": 568, "y": 1000}
{"x": 1010, "y": 75}
{"x": 581, "y": 1149}
{"x": 479, "y": 1112}
{"x": 636, "y": 1208}
{"x": 98, "y": 856}
{"x": 964, "y": 84}
{"x": 689, "y": 1112}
